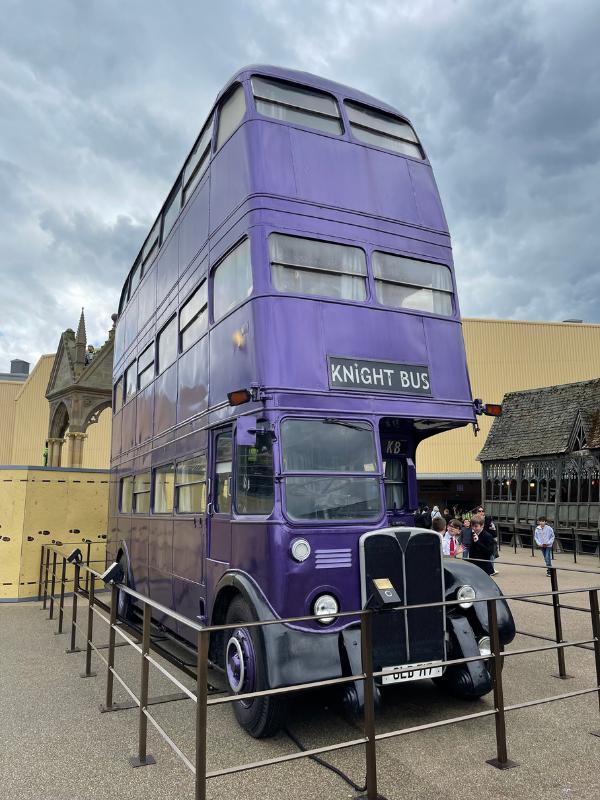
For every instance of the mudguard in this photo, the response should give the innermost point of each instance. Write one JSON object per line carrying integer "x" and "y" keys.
{"x": 458, "y": 573}
{"x": 292, "y": 656}
{"x": 471, "y": 679}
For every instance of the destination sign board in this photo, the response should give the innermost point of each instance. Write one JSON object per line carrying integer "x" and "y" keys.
{"x": 365, "y": 375}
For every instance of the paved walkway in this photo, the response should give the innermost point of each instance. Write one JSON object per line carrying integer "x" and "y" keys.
{"x": 57, "y": 746}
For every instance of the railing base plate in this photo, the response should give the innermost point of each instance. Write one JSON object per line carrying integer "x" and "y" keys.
{"x": 502, "y": 764}
{"x": 75, "y": 650}
{"x": 366, "y": 797}
{"x": 562, "y": 677}
{"x": 59, "y": 633}
{"x": 86, "y": 675}
{"x": 135, "y": 761}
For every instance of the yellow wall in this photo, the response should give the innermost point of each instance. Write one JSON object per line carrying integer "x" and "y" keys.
{"x": 31, "y": 416}
{"x": 40, "y": 505}
{"x": 507, "y": 356}
{"x": 8, "y": 391}
{"x": 24, "y": 413}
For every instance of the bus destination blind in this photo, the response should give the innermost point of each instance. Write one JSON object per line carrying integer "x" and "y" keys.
{"x": 377, "y": 376}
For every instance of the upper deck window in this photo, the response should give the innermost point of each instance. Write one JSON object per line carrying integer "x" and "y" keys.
{"x": 135, "y": 278}
{"x": 197, "y": 162}
{"x": 407, "y": 283}
{"x": 232, "y": 280}
{"x": 382, "y": 130}
{"x": 130, "y": 382}
{"x": 151, "y": 243}
{"x": 171, "y": 212}
{"x": 166, "y": 347}
{"x": 296, "y": 104}
{"x": 308, "y": 266}
{"x": 146, "y": 367}
{"x": 231, "y": 114}
{"x": 193, "y": 317}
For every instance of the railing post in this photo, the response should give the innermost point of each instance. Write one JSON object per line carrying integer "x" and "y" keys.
{"x": 52, "y": 585}
{"x": 61, "y": 604}
{"x": 574, "y": 539}
{"x": 46, "y": 575}
{"x": 558, "y": 632}
{"x": 73, "y": 648}
{"x": 41, "y": 577}
{"x": 501, "y": 761}
{"x": 595, "y": 614}
{"x": 90, "y": 629}
{"x": 201, "y": 713}
{"x": 142, "y": 758}
{"x": 87, "y": 563}
{"x": 114, "y": 599}
{"x": 366, "y": 643}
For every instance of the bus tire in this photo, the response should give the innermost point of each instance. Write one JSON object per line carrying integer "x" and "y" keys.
{"x": 245, "y": 669}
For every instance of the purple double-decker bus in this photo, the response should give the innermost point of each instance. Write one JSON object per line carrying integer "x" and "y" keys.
{"x": 286, "y": 337}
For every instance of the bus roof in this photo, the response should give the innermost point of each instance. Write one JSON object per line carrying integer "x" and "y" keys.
{"x": 309, "y": 79}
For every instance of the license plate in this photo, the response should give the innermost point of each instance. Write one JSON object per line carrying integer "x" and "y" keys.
{"x": 411, "y": 672}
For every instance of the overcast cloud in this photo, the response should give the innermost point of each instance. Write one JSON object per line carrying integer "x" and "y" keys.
{"x": 101, "y": 100}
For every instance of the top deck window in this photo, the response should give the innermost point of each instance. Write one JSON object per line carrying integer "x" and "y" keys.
{"x": 296, "y": 104}
{"x": 382, "y": 130}
{"x": 408, "y": 283}
{"x": 151, "y": 244}
{"x": 171, "y": 212}
{"x": 307, "y": 266}
{"x": 231, "y": 114}
{"x": 197, "y": 162}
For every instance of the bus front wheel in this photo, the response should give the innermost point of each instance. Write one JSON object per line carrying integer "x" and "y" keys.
{"x": 244, "y": 660}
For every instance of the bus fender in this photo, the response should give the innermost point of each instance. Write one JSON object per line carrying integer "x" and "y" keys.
{"x": 292, "y": 655}
{"x": 471, "y": 679}
{"x": 458, "y": 573}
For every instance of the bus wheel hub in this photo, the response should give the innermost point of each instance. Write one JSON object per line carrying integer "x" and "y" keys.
{"x": 241, "y": 665}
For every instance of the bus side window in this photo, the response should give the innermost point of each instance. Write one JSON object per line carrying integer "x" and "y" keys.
{"x": 395, "y": 484}
{"x": 222, "y": 493}
{"x": 254, "y": 488}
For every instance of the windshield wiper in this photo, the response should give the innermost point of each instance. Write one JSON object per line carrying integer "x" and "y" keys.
{"x": 354, "y": 425}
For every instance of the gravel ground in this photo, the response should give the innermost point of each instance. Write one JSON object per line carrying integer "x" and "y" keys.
{"x": 57, "y": 746}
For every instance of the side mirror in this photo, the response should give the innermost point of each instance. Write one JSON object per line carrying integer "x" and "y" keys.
{"x": 245, "y": 431}
{"x": 411, "y": 475}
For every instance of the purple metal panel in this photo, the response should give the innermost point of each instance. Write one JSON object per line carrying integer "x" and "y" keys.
{"x": 147, "y": 297}
{"x": 165, "y": 399}
{"x": 448, "y": 364}
{"x": 131, "y": 322}
{"x": 144, "y": 414}
{"x": 138, "y": 552}
{"x": 194, "y": 227}
{"x": 351, "y": 176}
{"x": 232, "y": 354}
{"x": 160, "y": 563}
{"x": 270, "y": 144}
{"x": 128, "y": 426}
{"x": 168, "y": 266}
{"x": 187, "y": 598}
{"x": 115, "y": 447}
{"x": 230, "y": 178}
{"x": 193, "y": 381}
{"x": 429, "y": 206}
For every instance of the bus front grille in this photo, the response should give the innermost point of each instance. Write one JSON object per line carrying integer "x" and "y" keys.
{"x": 412, "y": 560}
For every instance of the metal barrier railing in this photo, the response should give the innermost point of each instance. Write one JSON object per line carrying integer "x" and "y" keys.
{"x": 568, "y": 540}
{"x": 203, "y": 700}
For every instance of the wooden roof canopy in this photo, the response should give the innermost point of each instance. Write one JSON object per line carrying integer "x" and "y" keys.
{"x": 546, "y": 421}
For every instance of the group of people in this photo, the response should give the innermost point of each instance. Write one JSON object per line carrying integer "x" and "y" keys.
{"x": 475, "y": 536}
{"x": 470, "y": 538}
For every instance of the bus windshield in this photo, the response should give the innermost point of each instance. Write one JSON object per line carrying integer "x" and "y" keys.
{"x": 330, "y": 446}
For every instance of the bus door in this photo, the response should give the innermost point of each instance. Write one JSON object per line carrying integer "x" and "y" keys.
{"x": 189, "y": 539}
{"x": 218, "y": 517}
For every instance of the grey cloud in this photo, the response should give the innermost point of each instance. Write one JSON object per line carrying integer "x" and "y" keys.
{"x": 102, "y": 100}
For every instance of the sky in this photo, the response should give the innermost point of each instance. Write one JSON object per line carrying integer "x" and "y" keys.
{"x": 100, "y": 101}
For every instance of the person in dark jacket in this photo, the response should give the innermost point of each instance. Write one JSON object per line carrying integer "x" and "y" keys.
{"x": 466, "y": 537}
{"x": 482, "y": 545}
{"x": 426, "y": 518}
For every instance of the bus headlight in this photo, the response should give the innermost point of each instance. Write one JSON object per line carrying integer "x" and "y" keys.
{"x": 466, "y": 594}
{"x": 485, "y": 646}
{"x": 324, "y": 606}
{"x": 300, "y": 550}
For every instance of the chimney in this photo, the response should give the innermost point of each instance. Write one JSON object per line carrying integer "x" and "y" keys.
{"x": 19, "y": 367}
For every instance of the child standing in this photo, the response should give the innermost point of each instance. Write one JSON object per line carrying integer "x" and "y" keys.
{"x": 544, "y": 538}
